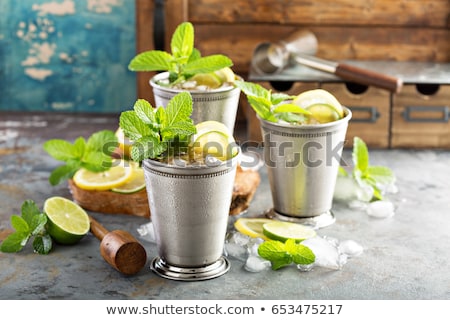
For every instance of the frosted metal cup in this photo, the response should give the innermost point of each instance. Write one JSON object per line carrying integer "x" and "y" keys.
{"x": 217, "y": 104}
{"x": 302, "y": 163}
{"x": 274, "y": 57}
{"x": 189, "y": 208}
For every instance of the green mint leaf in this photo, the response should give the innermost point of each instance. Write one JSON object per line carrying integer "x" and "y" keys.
{"x": 161, "y": 117}
{"x": 104, "y": 141}
{"x": 64, "y": 172}
{"x": 277, "y": 98}
{"x": 42, "y": 244}
{"x": 253, "y": 89}
{"x": 381, "y": 175}
{"x": 80, "y": 147}
{"x": 147, "y": 147}
{"x": 96, "y": 161}
{"x": 29, "y": 210}
{"x": 275, "y": 252}
{"x": 132, "y": 126}
{"x": 19, "y": 224}
{"x": 289, "y": 107}
{"x": 154, "y": 60}
{"x": 178, "y": 129}
{"x": 38, "y": 223}
{"x": 262, "y": 108}
{"x": 195, "y": 55}
{"x": 179, "y": 110}
{"x": 14, "y": 242}
{"x": 60, "y": 149}
{"x": 291, "y": 117}
{"x": 182, "y": 42}
{"x": 360, "y": 154}
{"x": 300, "y": 254}
{"x": 145, "y": 112}
{"x": 207, "y": 64}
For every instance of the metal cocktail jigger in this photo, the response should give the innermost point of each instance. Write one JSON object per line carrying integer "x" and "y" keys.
{"x": 300, "y": 47}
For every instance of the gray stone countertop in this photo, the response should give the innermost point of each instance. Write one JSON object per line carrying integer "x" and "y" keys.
{"x": 405, "y": 256}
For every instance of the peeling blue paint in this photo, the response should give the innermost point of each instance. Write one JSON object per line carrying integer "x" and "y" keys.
{"x": 67, "y": 55}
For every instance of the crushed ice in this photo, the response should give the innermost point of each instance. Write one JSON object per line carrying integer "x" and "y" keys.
{"x": 330, "y": 252}
{"x": 358, "y": 197}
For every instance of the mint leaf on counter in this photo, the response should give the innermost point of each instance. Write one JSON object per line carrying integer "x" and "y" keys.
{"x": 31, "y": 223}
{"x": 377, "y": 177}
{"x": 283, "y": 254}
{"x": 95, "y": 154}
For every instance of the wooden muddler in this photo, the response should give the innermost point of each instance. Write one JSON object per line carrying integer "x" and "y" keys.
{"x": 120, "y": 249}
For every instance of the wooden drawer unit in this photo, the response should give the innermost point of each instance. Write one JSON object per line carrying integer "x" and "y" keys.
{"x": 420, "y": 117}
{"x": 370, "y": 108}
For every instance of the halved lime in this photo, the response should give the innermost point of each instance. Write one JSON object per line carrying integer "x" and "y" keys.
{"x": 318, "y": 96}
{"x": 67, "y": 221}
{"x": 211, "y": 80}
{"x": 252, "y": 227}
{"x": 323, "y": 113}
{"x": 106, "y": 180}
{"x": 137, "y": 182}
{"x": 283, "y": 230}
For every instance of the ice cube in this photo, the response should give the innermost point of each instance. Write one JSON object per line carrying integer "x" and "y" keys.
{"x": 305, "y": 267}
{"x": 147, "y": 232}
{"x": 380, "y": 209}
{"x": 346, "y": 189}
{"x": 350, "y": 248}
{"x": 327, "y": 254}
{"x": 236, "y": 251}
{"x": 256, "y": 264}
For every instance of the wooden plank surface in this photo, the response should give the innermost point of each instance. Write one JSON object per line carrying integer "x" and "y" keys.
{"x": 411, "y": 13}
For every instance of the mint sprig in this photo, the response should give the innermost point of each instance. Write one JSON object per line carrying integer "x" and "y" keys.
{"x": 93, "y": 154}
{"x": 283, "y": 254}
{"x": 271, "y": 106}
{"x": 30, "y": 224}
{"x": 183, "y": 62}
{"x": 376, "y": 177}
{"x": 155, "y": 131}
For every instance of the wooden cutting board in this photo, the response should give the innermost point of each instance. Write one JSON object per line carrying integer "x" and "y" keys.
{"x": 245, "y": 185}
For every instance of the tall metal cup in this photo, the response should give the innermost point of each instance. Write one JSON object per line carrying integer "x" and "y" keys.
{"x": 302, "y": 163}
{"x": 216, "y": 104}
{"x": 189, "y": 208}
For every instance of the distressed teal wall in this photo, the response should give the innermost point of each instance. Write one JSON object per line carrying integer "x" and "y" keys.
{"x": 67, "y": 55}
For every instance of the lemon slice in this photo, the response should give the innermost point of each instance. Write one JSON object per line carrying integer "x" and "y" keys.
{"x": 318, "y": 96}
{"x": 252, "y": 227}
{"x": 213, "y": 138}
{"x": 137, "y": 182}
{"x": 106, "y": 180}
{"x": 283, "y": 230}
{"x": 323, "y": 113}
{"x": 124, "y": 143}
{"x": 211, "y": 80}
{"x": 67, "y": 221}
{"x": 225, "y": 74}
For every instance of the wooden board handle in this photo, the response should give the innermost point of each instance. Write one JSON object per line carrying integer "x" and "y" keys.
{"x": 368, "y": 77}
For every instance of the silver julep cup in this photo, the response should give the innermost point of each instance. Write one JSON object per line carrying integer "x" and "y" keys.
{"x": 217, "y": 104}
{"x": 302, "y": 163}
{"x": 189, "y": 208}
